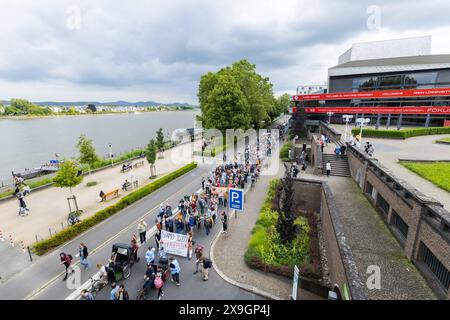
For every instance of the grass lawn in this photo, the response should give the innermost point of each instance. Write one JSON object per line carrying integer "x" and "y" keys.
{"x": 436, "y": 172}
{"x": 445, "y": 140}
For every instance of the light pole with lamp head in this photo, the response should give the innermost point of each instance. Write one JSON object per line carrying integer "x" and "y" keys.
{"x": 362, "y": 122}
{"x": 329, "y": 114}
{"x": 111, "y": 154}
{"x": 347, "y": 118}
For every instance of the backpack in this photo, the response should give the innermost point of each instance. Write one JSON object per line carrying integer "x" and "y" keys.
{"x": 207, "y": 263}
{"x": 158, "y": 282}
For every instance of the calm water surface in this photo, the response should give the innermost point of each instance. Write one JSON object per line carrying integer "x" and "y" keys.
{"x": 33, "y": 142}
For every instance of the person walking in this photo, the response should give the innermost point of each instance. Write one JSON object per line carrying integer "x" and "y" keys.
{"x": 328, "y": 168}
{"x": 142, "y": 229}
{"x": 158, "y": 238}
{"x": 175, "y": 270}
{"x": 150, "y": 255}
{"x": 66, "y": 260}
{"x": 206, "y": 265}
{"x": 198, "y": 254}
{"x": 159, "y": 283}
{"x": 86, "y": 295}
{"x": 224, "y": 219}
{"x": 83, "y": 254}
{"x": 122, "y": 293}
{"x": 113, "y": 295}
{"x": 207, "y": 224}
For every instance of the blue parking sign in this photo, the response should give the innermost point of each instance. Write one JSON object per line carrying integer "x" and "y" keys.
{"x": 236, "y": 199}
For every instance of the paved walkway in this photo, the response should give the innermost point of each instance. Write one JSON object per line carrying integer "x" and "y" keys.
{"x": 49, "y": 207}
{"x": 388, "y": 151}
{"x": 372, "y": 243}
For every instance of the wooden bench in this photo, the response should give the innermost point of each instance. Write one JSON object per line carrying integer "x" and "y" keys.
{"x": 112, "y": 194}
{"x": 139, "y": 164}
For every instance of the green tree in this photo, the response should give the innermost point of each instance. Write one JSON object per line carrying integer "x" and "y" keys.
{"x": 26, "y": 107}
{"x": 160, "y": 141}
{"x": 87, "y": 151}
{"x": 226, "y": 106}
{"x": 67, "y": 176}
{"x": 282, "y": 104}
{"x": 255, "y": 97}
{"x": 150, "y": 154}
{"x": 285, "y": 226}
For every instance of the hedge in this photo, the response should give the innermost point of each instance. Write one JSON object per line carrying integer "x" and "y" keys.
{"x": 284, "y": 151}
{"x": 401, "y": 134}
{"x": 71, "y": 232}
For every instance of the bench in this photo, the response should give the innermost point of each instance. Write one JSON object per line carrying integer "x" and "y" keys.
{"x": 127, "y": 167}
{"x": 130, "y": 186}
{"x": 113, "y": 194}
{"x": 139, "y": 164}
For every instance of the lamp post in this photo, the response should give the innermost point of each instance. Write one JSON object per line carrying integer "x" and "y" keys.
{"x": 362, "y": 122}
{"x": 347, "y": 118}
{"x": 111, "y": 154}
{"x": 329, "y": 114}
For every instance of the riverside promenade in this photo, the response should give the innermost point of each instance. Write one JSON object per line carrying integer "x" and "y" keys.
{"x": 49, "y": 207}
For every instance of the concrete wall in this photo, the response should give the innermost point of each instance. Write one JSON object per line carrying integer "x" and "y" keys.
{"x": 428, "y": 222}
{"x": 341, "y": 265}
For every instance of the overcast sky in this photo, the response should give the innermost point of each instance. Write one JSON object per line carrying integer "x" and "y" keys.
{"x": 157, "y": 50}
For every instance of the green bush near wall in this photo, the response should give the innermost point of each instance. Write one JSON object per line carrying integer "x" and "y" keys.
{"x": 69, "y": 233}
{"x": 402, "y": 134}
{"x": 284, "y": 151}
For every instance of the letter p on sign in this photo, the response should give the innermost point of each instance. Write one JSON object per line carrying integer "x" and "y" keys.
{"x": 236, "y": 199}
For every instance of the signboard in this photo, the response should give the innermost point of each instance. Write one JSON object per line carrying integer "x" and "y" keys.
{"x": 236, "y": 199}
{"x": 295, "y": 284}
{"x": 54, "y": 161}
{"x": 381, "y": 110}
{"x": 411, "y": 93}
{"x": 446, "y": 123}
{"x": 174, "y": 243}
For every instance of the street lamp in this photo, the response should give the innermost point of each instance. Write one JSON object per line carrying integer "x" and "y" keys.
{"x": 111, "y": 154}
{"x": 329, "y": 114}
{"x": 347, "y": 118}
{"x": 362, "y": 123}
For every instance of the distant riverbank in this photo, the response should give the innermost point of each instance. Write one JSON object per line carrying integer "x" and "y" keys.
{"x": 30, "y": 116}
{"x": 32, "y": 143}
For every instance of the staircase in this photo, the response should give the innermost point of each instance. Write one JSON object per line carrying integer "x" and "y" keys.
{"x": 339, "y": 167}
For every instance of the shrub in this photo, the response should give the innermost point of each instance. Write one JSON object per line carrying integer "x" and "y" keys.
{"x": 265, "y": 250}
{"x": 91, "y": 183}
{"x": 402, "y": 134}
{"x": 284, "y": 151}
{"x": 69, "y": 233}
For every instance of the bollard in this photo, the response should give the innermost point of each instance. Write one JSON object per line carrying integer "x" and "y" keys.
{"x": 29, "y": 253}
{"x": 22, "y": 245}
{"x": 62, "y": 225}
{"x": 1, "y": 236}
{"x": 50, "y": 230}
{"x": 36, "y": 238}
{"x": 11, "y": 240}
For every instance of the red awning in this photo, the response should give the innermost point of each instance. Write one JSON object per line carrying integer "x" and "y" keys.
{"x": 380, "y": 110}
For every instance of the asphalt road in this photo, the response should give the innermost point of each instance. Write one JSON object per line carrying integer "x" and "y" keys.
{"x": 43, "y": 278}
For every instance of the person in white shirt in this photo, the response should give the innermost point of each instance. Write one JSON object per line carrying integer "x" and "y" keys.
{"x": 328, "y": 168}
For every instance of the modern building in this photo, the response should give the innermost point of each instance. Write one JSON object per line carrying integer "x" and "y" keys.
{"x": 393, "y": 82}
{"x": 310, "y": 89}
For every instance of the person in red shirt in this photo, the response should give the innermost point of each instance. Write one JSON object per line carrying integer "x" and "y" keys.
{"x": 66, "y": 260}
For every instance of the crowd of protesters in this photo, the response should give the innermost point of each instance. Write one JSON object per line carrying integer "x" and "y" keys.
{"x": 198, "y": 212}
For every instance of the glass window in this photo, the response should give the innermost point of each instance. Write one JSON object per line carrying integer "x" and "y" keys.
{"x": 393, "y": 82}
{"x": 414, "y": 80}
{"x": 364, "y": 83}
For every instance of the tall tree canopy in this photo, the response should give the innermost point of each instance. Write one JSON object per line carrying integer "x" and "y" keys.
{"x": 87, "y": 150}
{"x": 236, "y": 97}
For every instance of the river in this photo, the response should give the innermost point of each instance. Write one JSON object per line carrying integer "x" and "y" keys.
{"x": 29, "y": 143}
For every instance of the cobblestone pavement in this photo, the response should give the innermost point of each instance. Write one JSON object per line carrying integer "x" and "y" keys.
{"x": 372, "y": 243}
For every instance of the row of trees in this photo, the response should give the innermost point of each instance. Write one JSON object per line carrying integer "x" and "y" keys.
{"x": 238, "y": 97}
{"x": 69, "y": 176}
{"x": 24, "y": 107}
